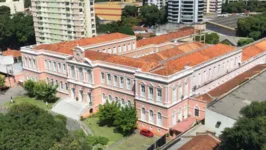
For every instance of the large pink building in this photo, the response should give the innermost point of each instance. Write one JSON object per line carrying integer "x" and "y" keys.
{"x": 160, "y": 76}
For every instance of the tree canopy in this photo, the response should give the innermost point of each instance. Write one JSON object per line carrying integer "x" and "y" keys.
{"x": 27, "y": 127}
{"x": 4, "y": 10}
{"x": 16, "y": 31}
{"x": 253, "y": 26}
{"x": 130, "y": 11}
{"x": 249, "y": 132}
{"x": 241, "y": 6}
{"x": 243, "y": 42}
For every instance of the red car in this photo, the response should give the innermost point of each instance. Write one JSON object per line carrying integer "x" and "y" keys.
{"x": 146, "y": 132}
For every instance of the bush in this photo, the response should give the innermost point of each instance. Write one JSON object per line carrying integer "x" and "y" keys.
{"x": 29, "y": 86}
{"x": 108, "y": 112}
{"x": 243, "y": 42}
{"x": 94, "y": 140}
{"x": 61, "y": 118}
{"x": 41, "y": 90}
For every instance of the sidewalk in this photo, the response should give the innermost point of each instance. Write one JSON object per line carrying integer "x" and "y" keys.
{"x": 12, "y": 92}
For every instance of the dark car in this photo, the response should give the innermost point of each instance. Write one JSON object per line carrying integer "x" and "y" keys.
{"x": 146, "y": 132}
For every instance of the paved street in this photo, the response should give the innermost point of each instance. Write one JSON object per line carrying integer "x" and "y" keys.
{"x": 12, "y": 92}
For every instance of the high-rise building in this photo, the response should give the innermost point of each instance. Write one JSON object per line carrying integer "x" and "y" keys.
{"x": 187, "y": 12}
{"x": 63, "y": 20}
{"x": 213, "y": 6}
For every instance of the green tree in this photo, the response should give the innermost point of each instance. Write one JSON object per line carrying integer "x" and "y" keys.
{"x": 2, "y": 81}
{"x": 29, "y": 86}
{"x": 125, "y": 121}
{"x": 150, "y": 15}
{"x": 26, "y": 126}
{"x": 249, "y": 132}
{"x": 108, "y": 112}
{"x": 130, "y": 21}
{"x": 27, "y": 3}
{"x": 126, "y": 30}
{"x": 212, "y": 38}
{"x": 243, "y": 42}
{"x": 4, "y": 10}
{"x": 130, "y": 11}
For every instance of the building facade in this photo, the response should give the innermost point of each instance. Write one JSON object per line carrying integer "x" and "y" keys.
{"x": 15, "y": 6}
{"x": 64, "y": 20}
{"x": 213, "y": 6}
{"x": 186, "y": 12}
{"x": 161, "y": 84}
{"x": 159, "y": 3}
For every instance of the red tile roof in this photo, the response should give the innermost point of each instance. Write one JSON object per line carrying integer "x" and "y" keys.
{"x": 180, "y": 49}
{"x": 122, "y": 60}
{"x": 201, "y": 142}
{"x": 185, "y": 124}
{"x": 10, "y": 52}
{"x": 229, "y": 85}
{"x": 253, "y": 50}
{"x": 194, "y": 58}
{"x": 66, "y": 47}
{"x": 166, "y": 37}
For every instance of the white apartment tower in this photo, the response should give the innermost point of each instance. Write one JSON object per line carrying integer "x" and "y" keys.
{"x": 185, "y": 11}
{"x": 63, "y": 20}
{"x": 14, "y": 5}
{"x": 159, "y": 3}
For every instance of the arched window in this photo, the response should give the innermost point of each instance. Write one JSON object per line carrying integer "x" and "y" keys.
{"x": 110, "y": 98}
{"x": 179, "y": 114}
{"x": 196, "y": 111}
{"x": 174, "y": 94}
{"x": 174, "y": 118}
{"x": 116, "y": 99}
{"x": 186, "y": 88}
{"x": 103, "y": 98}
{"x": 122, "y": 102}
{"x": 143, "y": 114}
{"x": 151, "y": 116}
{"x": 159, "y": 119}
{"x": 180, "y": 91}
{"x": 128, "y": 103}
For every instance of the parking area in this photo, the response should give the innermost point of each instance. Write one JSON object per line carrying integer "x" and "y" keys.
{"x": 135, "y": 142}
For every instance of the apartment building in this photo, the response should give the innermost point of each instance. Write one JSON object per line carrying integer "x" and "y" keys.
{"x": 186, "y": 12}
{"x": 63, "y": 20}
{"x": 162, "y": 82}
{"x": 213, "y": 6}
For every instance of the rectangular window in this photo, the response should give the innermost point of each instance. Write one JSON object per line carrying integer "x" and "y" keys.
{"x": 115, "y": 81}
{"x": 121, "y": 82}
{"x": 180, "y": 91}
{"x": 73, "y": 72}
{"x": 159, "y": 95}
{"x": 174, "y": 94}
{"x": 150, "y": 93}
{"x": 61, "y": 85}
{"x": 128, "y": 83}
{"x": 109, "y": 51}
{"x": 102, "y": 77}
{"x": 50, "y": 65}
{"x": 66, "y": 86}
{"x": 142, "y": 90}
{"x": 81, "y": 77}
{"x": 30, "y": 63}
{"x": 109, "y": 79}
{"x": 129, "y": 47}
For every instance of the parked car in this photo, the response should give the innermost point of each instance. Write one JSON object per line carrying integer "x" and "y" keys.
{"x": 146, "y": 132}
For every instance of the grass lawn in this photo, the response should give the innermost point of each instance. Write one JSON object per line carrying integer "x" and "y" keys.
{"x": 26, "y": 99}
{"x": 135, "y": 142}
{"x": 105, "y": 131}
